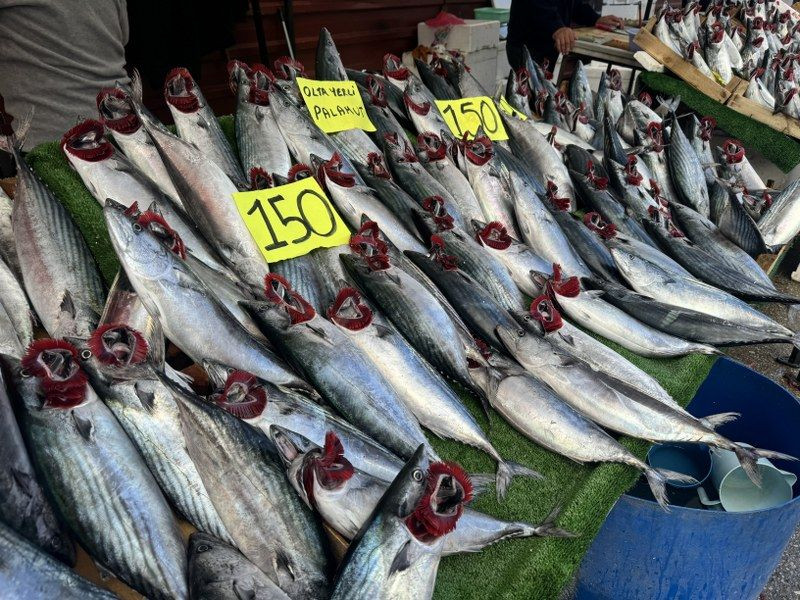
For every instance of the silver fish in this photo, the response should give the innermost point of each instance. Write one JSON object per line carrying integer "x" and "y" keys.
{"x": 15, "y": 304}
{"x": 781, "y": 221}
{"x": 8, "y": 247}
{"x": 686, "y": 172}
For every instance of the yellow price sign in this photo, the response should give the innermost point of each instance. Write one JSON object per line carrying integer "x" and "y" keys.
{"x": 468, "y": 114}
{"x": 334, "y": 105}
{"x": 291, "y": 220}
{"x": 510, "y": 110}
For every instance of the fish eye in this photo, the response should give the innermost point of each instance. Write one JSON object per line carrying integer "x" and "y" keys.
{"x": 24, "y": 373}
{"x": 203, "y": 548}
{"x": 86, "y": 354}
{"x": 520, "y": 332}
{"x": 417, "y": 475}
{"x": 137, "y": 228}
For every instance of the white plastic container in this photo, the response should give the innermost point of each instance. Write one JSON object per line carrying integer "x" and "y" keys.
{"x": 472, "y": 36}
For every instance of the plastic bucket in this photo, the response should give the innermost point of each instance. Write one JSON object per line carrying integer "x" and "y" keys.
{"x": 643, "y": 552}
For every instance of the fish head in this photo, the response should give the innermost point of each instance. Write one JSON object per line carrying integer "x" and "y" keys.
{"x": 55, "y": 365}
{"x": 376, "y": 91}
{"x": 201, "y": 543}
{"x": 328, "y": 60}
{"x": 116, "y": 111}
{"x": 447, "y": 488}
{"x": 140, "y": 251}
{"x": 367, "y": 244}
{"x": 630, "y": 263}
{"x": 393, "y": 68}
{"x": 180, "y": 91}
{"x": 431, "y": 145}
{"x": 350, "y": 311}
{"x": 512, "y": 339}
{"x": 289, "y": 69}
{"x": 284, "y": 107}
{"x": 114, "y": 351}
{"x": 86, "y": 142}
{"x": 414, "y": 97}
{"x": 493, "y": 235}
{"x": 242, "y": 394}
{"x": 331, "y": 175}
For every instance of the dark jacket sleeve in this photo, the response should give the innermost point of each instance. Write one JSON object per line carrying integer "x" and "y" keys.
{"x": 583, "y": 14}
{"x": 542, "y": 16}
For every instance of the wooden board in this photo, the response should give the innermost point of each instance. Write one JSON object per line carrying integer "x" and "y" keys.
{"x": 683, "y": 69}
{"x": 761, "y": 113}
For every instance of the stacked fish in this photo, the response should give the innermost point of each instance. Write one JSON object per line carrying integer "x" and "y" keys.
{"x": 756, "y": 40}
{"x": 326, "y": 369}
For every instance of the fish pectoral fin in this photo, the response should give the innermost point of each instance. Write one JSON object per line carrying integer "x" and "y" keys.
{"x": 403, "y": 559}
{"x": 67, "y": 305}
{"x": 146, "y": 397}
{"x": 318, "y": 331}
{"x": 84, "y": 426}
{"x": 383, "y": 331}
{"x": 24, "y": 481}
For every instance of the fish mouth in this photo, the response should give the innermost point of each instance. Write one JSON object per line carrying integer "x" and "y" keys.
{"x": 298, "y": 172}
{"x": 393, "y": 67}
{"x": 447, "y": 261}
{"x": 243, "y": 395}
{"x": 56, "y": 363}
{"x": 87, "y": 141}
{"x": 479, "y": 151}
{"x": 432, "y": 145}
{"x": 179, "y": 90}
{"x": 377, "y": 91}
{"x": 434, "y": 206}
{"x": 595, "y": 222}
{"x": 332, "y": 171}
{"x": 117, "y": 345}
{"x": 288, "y": 68}
{"x": 376, "y": 166}
{"x": 494, "y": 235}
{"x": 261, "y": 80}
{"x": 260, "y": 179}
{"x": 280, "y": 292}
{"x": 543, "y": 311}
{"x": 447, "y": 489}
{"x": 367, "y": 243}
{"x": 349, "y": 311}
{"x": 159, "y": 227}
{"x": 116, "y": 112}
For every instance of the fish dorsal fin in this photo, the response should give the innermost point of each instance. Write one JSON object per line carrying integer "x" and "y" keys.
{"x": 67, "y": 305}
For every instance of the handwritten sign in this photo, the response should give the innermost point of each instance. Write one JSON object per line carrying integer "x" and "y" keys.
{"x": 291, "y": 220}
{"x": 334, "y": 105}
{"x": 468, "y": 114}
{"x": 510, "y": 110}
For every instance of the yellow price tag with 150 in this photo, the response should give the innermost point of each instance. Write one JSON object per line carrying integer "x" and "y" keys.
{"x": 291, "y": 220}
{"x": 468, "y": 114}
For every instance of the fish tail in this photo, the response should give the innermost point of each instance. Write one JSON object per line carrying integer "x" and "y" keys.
{"x": 714, "y": 421}
{"x": 657, "y": 480}
{"x": 548, "y": 527}
{"x": 748, "y": 458}
{"x": 506, "y": 470}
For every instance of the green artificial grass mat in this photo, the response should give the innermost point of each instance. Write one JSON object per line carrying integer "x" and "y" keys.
{"x": 777, "y": 147}
{"x": 519, "y": 569}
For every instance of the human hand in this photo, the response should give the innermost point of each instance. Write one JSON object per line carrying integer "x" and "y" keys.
{"x": 564, "y": 39}
{"x": 610, "y": 21}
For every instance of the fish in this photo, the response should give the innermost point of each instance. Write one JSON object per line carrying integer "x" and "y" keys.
{"x": 344, "y": 496}
{"x": 613, "y": 405}
{"x": 733, "y": 220}
{"x": 484, "y": 172}
{"x": 377, "y": 176}
{"x": 376, "y": 98}
{"x": 736, "y": 167}
{"x": 539, "y": 228}
{"x": 580, "y": 92}
{"x": 208, "y": 195}
{"x": 518, "y": 91}
{"x": 240, "y": 469}
{"x": 781, "y": 221}
{"x": 589, "y": 310}
{"x": 197, "y": 125}
{"x": 337, "y": 368}
{"x": 655, "y": 157}
{"x": 688, "y": 176}
{"x": 328, "y": 65}
{"x": 260, "y": 144}
{"x": 167, "y": 287}
{"x": 24, "y": 506}
{"x": 218, "y": 571}
{"x": 108, "y": 174}
{"x": 436, "y": 83}
{"x": 441, "y": 160}
{"x": 101, "y": 487}
{"x": 699, "y": 133}
{"x": 427, "y": 396}
{"x": 718, "y": 58}
{"x": 264, "y": 405}
{"x": 518, "y": 258}
{"x": 8, "y": 246}
{"x": 59, "y": 272}
{"x": 636, "y": 116}
{"x": 148, "y": 413}
{"x": 30, "y": 573}
{"x": 396, "y": 553}
{"x": 119, "y": 116}
{"x": 586, "y": 237}
{"x": 421, "y": 108}
{"x": 16, "y": 306}
{"x": 650, "y": 279}
{"x": 542, "y": 416}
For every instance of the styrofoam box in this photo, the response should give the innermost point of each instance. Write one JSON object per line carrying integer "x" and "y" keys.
{"x": 470, "y": 37}
{"x": 502, "y": 61}
{"x": 483, "y": 66}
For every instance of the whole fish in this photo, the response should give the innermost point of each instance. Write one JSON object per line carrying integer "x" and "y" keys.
{"x": 699, "y": 133}
{"x": 167, "y": 287}
{"x": 15, "y": 304}
{"x": 650, "y": 279}
{"x": 589, "y": 310}
{"x": 218, "y": 571}
{"x": 426, "y": 395}
{"x": 149, "y": 415}
{"x": 8, "y": 247}
{"x": 23, "y": 504}
{"x": 397, "y": 551}
{"x": 208, "y": 195}
{"x": 580, "y": 92}
{"x": 345, "y": 496}
{"x": 338, "y": 368}
{"x": 518, "y": 258}
{"x": 58, "y": 269}
{"x": 108, "y": 174}
{"x": 264, "y": 405}
{"x": 260, "y": 143}
{"x": 484, "y": 172}
{"x": 781, "y": 221}
{"x": 613, "y": 405}
{"x": 240, "y": 469}
{"x": 518, "y": 91}
{"x": 92, "y": 471}
{"x": 30, "y": 573}
{"x": 119, "y": 116}
{"x": 734, "y": 221}
{"x": 197, "y": 124}
{"x": 688, "y": 176}
{"x": 328, "y": 64}
{"x": 538, "y": 413}
{"x": 438, "y": 159}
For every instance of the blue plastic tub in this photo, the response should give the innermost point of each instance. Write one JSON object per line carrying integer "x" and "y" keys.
{"x": 645, "y": 553}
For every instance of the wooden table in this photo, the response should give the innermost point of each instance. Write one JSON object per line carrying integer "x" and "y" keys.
{"x": 605, "y": 46}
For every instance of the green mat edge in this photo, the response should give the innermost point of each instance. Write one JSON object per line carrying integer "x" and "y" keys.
{"x": 517, "y": 569}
